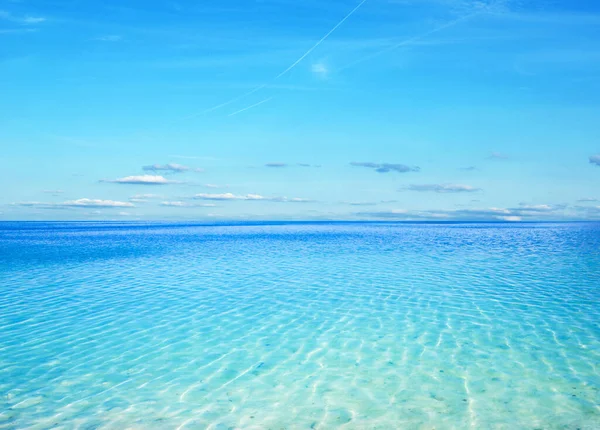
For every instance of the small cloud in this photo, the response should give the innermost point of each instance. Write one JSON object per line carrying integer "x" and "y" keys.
{"x": 359, "y": 203}
{"x": 587, "y": 199}
{"x": 498, "y": 156}
{"x": 468, "y": 169}
{"x": 179, "y": 204}
{"x": 224, "y": 196}
{"x": 80, "y": 203}
{"x": 97, "y": 203}
{"x": 171, "y": 168}
{"x": 510, "y": 218}
{"x": 320, "y": 70}
{"x": 595, "y": 159}
{"x": 24, "y": 20}
{"x": 293, "y": 200}
{"x": 214, "y": 186}
{"x": 52, "y": 191}
{"x": 308, "y": 165}
{"x": 441, "y": 188}
{"x": 253, "y": 197}
{"x": 143, "y": 180}
{"x": 33, "y": 19}
{"x": 386, "y": 167}
{"x": 276, "y": 165}
{"x": 109, "y": 38}
{"x": 145, "y": 196}
{"x": 524, "y": 207}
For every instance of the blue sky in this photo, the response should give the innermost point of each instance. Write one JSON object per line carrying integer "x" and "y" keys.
{"x": 285, "y": 109}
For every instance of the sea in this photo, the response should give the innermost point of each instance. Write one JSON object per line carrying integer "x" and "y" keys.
{"x": 299, "y": 325}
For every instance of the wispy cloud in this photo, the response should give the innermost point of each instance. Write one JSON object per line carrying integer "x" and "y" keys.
{"x": 528, "y": 208}
{"x": 250, "y": 197}
{"x": 109, "y": 38}
{"x": 595, "y": 159}
{"x": 80, "y": 203}
{"x": 468, "y": 14}
{"x": 498, "y": 156}
{"x": 587, "y": 200}
{"x": 17, "y": 30}
{"x": 180, "y": 204}
{"x": 468, "y": 169}
{"x": 171, "y": 168}
{"x": 288, "y": 69}
{"x": 23, "y": 20}
{"x": 320, "y": 70}
{"x": 33, "y": 19}
{"x": 143, "y": 198}
{"x": 98, "y": 203}
{"x": 52, "y": 191}
{"x": 386, "y": 167}
{"x": 281, "y": 164}
{"x": 251, "y": 106}
{"x": 441, "y": 188}
{"x": 359, "y": 203}
{"x": 523, "y": 212}
{"x": 142, "y": 180}
{"x": 146, "y": 196}
{"x": 215, "y": 186}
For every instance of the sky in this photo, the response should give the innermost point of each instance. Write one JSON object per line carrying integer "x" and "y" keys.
{"x": 300, "y": 109}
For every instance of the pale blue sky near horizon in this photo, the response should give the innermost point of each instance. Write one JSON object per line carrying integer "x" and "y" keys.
{"x": 281, "y": 109}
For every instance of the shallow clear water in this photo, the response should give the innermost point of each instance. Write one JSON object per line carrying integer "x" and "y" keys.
{"x": 411, "y": 326}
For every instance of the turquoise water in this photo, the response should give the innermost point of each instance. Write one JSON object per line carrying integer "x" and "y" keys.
{"x": 299, "y": 326}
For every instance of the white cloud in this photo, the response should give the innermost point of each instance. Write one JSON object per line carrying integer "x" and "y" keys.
{"x": 79, "y": 203}
{"x": 143, "y": 180}
{"x": 25, "y": 20}
{"x": 511, "y": 218}
{"x": 224, "y": 196}
{"x": 320, "y": 70}
{"x": 498, "y": 156}
{"x": 386, "y": 167}
{"x": 180, "y": 204}
{"x": 531, "y": 212}
{"x": 254, "y": 197}
{"x": 33, "y": 19}
{"x": 146, "y": 196}
{"x": 172, "y": 168}
{"x": 97, "y": 203}
{"x": 441, "y": 188}
{"x": 109, "y": 38}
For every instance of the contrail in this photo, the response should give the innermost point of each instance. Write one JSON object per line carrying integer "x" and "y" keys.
{"x": 260, "y": 87}
{"x": 320, "y": 41}
{"x": 250, "y": 107}
{"x": 424, "y": 35}
{"x": 294, "y": 64}
{"x": 410, "y": 40}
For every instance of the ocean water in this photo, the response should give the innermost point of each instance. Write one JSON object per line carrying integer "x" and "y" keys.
{"x": 299, "y": 326}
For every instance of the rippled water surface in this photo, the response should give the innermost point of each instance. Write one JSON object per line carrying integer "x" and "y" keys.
{"x": 299, "y": 326}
